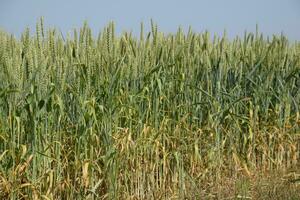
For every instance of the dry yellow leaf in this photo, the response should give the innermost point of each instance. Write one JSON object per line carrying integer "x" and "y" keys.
{"x": 85, "y": 174}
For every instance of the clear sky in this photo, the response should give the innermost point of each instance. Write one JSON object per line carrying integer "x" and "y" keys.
{"x": 236, "y": 16}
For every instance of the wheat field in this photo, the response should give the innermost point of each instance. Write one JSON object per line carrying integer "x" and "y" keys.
{"x": 153, "y": 116}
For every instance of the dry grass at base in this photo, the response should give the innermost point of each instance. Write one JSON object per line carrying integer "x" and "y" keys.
{"x": 279, "y": 185}
{"x": 264, "y": 185}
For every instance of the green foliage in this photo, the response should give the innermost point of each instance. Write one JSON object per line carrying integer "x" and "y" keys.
{"x": 150, "y": 118}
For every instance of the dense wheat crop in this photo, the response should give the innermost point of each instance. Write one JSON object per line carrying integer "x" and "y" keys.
{"x": 155, "y": 116}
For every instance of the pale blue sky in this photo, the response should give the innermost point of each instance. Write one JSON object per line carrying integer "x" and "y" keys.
{"x": 272, "y": 16}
